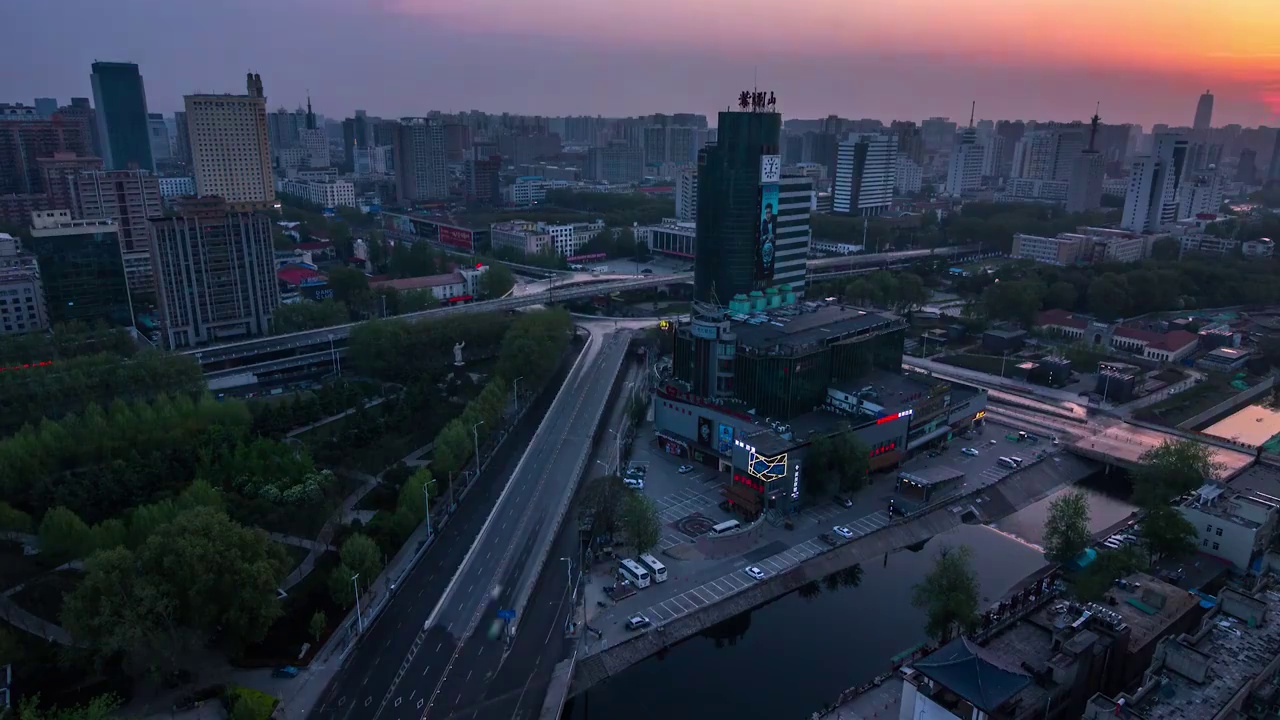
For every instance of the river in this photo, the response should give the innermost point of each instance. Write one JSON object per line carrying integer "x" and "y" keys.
{"x": 790, "y": 657}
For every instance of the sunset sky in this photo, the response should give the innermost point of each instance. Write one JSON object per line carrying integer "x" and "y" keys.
{"x": 1147, "y": 61}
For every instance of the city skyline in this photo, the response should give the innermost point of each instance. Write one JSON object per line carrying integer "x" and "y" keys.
{"x": 430, "y": 57}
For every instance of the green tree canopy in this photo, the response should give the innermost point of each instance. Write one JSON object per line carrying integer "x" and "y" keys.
{"x": 1066, "y": 530}
{"x": 305, "y": 315}
{"x": 639, "y": 520}
{"x": 1171, "y": 469}
{"x": 949, "y": 595}
{"x": 1165, "y": 532}
{"x": 837, "y": 462}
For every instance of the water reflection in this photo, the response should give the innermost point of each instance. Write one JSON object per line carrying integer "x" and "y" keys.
{"x": 826, "y": 636}
{"x": 1108, "y": 505}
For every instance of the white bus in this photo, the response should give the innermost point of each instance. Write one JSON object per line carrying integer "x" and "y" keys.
{"x": 656, "y": 569}
{"x": 1007, "y": 462}
{"x": 725, "y": 527}
{"x": 632, "y": 571}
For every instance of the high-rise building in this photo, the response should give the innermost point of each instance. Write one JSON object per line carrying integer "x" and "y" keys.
{"x": 356, "y": 135}
{"x": 964, "y": 175}
{"x": 60, "y": 174}
{"x": 908, "y": 176}
{"x": 22, "y": 305}
{"x": 121, "y": 112}
{"x": 284, "y": 128}
{"x": 865, "y": 174}
{"x": 82, "y": 112}
{"x": 231, "y": 157}
{"x": 483, "y": 182}
{"x": 993, "y": 156}
{"x": 1247, "y": 167}
{"x": 1201, "y": 193}
{"x": 1151, "y": 202}
{"x": 128, "y": 198}
{"x": 1204, "y": 112}
{"x": 1084, "y": 190}
{"x": 181, "y": 138}
{"x": 669, "y": 143}
{"x": 215, "y": 272}
{"x": 910, "y": 140}
{"x": 158, "y": 131}
{"x": 81, "y": 269}
{"x": 421, "y": 172}
{"x": 938, "y": 132}
{"x": 752, "y": 223}
{"x": 1273, "y": 168}
{"x": 1047, "y": 154}
{"x": 315, "y": 141}
{"x": 616, "y": 163}
{"x": 46, "y": 107}
{"x": 23, "y": 142}
{"x": 687, "y": 196}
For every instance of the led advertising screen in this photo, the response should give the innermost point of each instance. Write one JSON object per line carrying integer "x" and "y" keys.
{"x": 767, "y": 238}
{"x": 456, "y": 238}
{"x": 704, "y": 431}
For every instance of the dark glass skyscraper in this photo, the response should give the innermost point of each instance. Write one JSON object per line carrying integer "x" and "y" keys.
{"x": 81, "y": 268}
{"x": 122, "y": 116}
{"x": 731, "y": 215}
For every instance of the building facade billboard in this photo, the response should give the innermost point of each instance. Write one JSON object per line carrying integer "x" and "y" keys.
{"x": 766, "y": 236}
{"x": 705, "y": 435}
{"x": 454, "y": 237}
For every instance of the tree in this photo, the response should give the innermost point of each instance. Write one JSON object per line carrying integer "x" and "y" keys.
{"x": 600, "y": 507}
{"x": 359, "y": 557}
{"x": 1165, "y": 249}
{"x": 836, "y": 462}
{"x": 1066, "y": 531}
{"x": 949, "y": 595}
{"x": 14, "y": 520}
{"x": 411, "y": 498}
{"x": 64, "y": 536}
{"x": 1017, "y": 300}
{"x": 640, "y": 521}
{"x": 350, "y": 287}
{"x": 305, "y": 315}
{"x": 1165, "y": 532}
{"x": 496, "y": 282}
{"x": 1109, "y": 296}
{"x": 319, "y": 623}
{"x": 1171, "y": 469}
{"x": 100, "y": 707}
{"x": 1062, "y": 295}
{"x": 1092, "y": 583}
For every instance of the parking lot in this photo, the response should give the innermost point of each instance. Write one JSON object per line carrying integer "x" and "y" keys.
{"x": 983, "y": 469}
{"x": 688, "y": 504}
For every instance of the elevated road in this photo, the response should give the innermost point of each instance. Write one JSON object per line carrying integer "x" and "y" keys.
{"x": 444, "y": 650}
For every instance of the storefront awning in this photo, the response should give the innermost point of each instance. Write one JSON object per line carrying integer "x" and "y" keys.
{"x": 927, "y": 437}
{"x": 673, "y": 439}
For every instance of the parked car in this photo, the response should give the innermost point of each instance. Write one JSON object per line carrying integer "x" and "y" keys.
{"x": 842, "y": 501}
{"x": 754, "y": 572}
{"x": 636, "y": 622}
{"x": 684, "y": 469}
{"x": 288, "y": 672}
{"x": 993, "y": 442}
{"x": 634, "y": 483}
{"x": 969, "y": 451}
{"x": 843, "y": 532}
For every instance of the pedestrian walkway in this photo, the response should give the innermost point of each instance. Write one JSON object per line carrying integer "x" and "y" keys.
{"x": 23, "y": 620}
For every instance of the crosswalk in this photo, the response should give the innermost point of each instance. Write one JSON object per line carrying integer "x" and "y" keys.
{"x": 737, "y": 581}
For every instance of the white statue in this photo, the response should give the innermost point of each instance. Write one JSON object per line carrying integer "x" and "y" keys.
{"x": 457, "y": 353}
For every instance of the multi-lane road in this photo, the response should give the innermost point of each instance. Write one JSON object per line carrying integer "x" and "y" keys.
{"x": 434, "y": 652}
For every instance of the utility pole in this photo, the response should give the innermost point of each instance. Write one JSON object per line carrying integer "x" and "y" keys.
{"x": 515, "y": 392}
{"x": 426, "y": 506}
{"x": 359, "y": 617}
{"x": 475, "y": 437}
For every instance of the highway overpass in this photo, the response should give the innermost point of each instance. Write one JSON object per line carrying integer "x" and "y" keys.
{"x": 283, "y": 358}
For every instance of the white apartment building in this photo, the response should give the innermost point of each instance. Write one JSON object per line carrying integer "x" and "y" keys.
{"x": 687, "y": 196}
{"x": 1048, "y": 250}
{"x": 1206, "y": 244}
{"x": 315, "y": 141}
{"x": 1020, "y": 188}
{"x": 673, "y": 237}
{"x": 292, "y": 158}
{"x": 1115, "y": 187}
{"x": 1151, "y": 202}
{"x": 176, "y": 186}
{"x": 1236, "y": 521}
{"x": 22, "y": 306}
{"x": 866, "y": 168}
{"x": 1201, "y": 194}
{"x": 229, "y": 148}
{"x": 1048, "y": 154}
{"x": 795, "y": 203}
{"x": 538, "y": 237}
{"x": 993, "y": 155}
{"x": 964, "y": 174}
{"x": 908, "y": 176}
{"x": 458, "y": 285}
{"x": 530, "y": 190}
{"x": 331, "y": 194}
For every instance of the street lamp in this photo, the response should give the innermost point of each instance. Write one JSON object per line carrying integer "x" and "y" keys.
{"x": 356, "y": 587}
{"x": 617, "y": 448}
{"x": 475, "y": 437}
{"x": 426, "y": 506}
{"x": 515, "y": 393}
{"x": 568, "y": 569}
